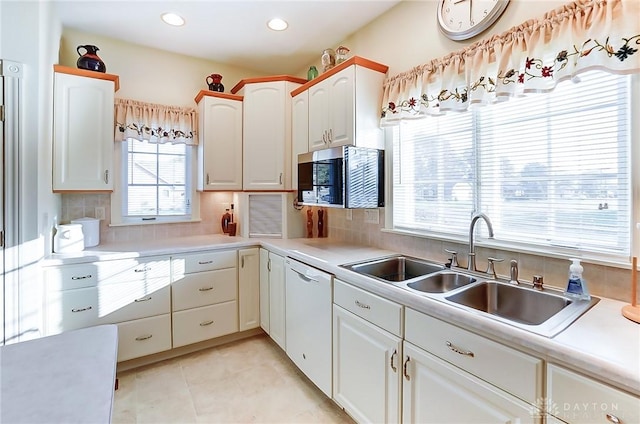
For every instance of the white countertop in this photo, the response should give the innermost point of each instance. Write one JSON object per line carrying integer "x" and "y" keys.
{"x": 66, "y": 378}
{"x": 602, "y": 343}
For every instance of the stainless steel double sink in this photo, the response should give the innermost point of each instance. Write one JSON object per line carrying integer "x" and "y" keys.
{"x": 545, "y": 312}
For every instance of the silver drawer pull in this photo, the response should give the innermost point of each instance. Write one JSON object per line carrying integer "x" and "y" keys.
{"x": 204, "y": 289}
{"x": 143, "y": 299}
{"x": 82, "y": 309}
{"x": 82, "y": 277}
{"x": 362, "y": 305}
{"x": 141, "y": 338}
{"x": 460, "y": 351}
{"x": 205, "y": 262}
{"x": 204, "y": 324}
{"x": 145, "y": 269}
{"x": 612, "y": 418}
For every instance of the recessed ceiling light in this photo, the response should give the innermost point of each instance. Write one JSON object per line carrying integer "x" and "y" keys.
{"x": 277, "y": 24}
{"x": 172, "y": 19}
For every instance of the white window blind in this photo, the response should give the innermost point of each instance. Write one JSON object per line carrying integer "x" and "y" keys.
{"x": 157, "y": 179}
{"x": 549, "y": 169}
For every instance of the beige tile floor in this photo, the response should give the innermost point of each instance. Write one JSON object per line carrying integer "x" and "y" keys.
{"x": 248, "y": 381}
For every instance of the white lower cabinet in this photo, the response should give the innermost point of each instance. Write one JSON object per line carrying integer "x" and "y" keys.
{"x": 204, "y": 296}
{"x": 272, "y": 296}
{"x": 366, "y": 369}
{"x": 249, "y": 288}
{"x": 143, "y": 337}
{"x": 207, "y": 322}
{"x": 577, "y": 399}
{"x": 132, "y": 293}
{"x": 435, "y": 391}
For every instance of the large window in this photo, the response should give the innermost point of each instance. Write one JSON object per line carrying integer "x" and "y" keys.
{"x": 158, "y": 185}
{"x": 551, "y": 170}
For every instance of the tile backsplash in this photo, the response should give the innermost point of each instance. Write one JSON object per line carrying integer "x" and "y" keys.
{"x": 604, "y": 281}
{"x": 212, "y": 207}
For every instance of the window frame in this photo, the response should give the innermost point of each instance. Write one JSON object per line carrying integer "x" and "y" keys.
{"x": 120, "y": 190}
{"x": 532, "y": 248}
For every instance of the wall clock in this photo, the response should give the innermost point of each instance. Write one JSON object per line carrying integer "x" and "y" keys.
{"x": 463, "y": 19}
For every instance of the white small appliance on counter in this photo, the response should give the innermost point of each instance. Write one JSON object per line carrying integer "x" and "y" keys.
{"x": 90, "y": 230}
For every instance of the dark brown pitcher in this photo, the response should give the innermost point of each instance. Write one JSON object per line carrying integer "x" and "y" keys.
{"x": 89, "y": 59}
{"x": 213, "y": 81}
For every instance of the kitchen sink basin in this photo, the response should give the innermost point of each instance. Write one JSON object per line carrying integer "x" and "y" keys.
{"x": 542, "y": 312}
{"x": 441, "y": 282}
{"x": 511, "y": 302}
{"x": 395, "y": 268}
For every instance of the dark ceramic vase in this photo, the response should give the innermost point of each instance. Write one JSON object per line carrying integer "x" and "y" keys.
{"x": 213, "y": 81}
{"x": 89, "y": 60}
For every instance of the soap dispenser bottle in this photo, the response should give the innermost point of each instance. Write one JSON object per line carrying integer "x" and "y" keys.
{"x": 576, "y": 286}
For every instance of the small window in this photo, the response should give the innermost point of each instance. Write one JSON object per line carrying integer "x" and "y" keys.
{"x": 551, "y": 170}
{"x": 158, "y": 181}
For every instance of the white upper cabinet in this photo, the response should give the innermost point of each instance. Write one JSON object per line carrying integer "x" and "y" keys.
{"x": 83, "y": 130}
{"x": 267, "y": 132}
{"x": 344, "y": 105}
{"x": 300, "y": 133}
{"x": 220, "y": 141}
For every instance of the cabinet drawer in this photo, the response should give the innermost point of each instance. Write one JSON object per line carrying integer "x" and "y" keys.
{"x": 144, "y": 337}
{"x": 69, "y": 277}
{"x": 513, "y": 371}
{"x": 129, "y": 301}
{"x": 204, "y": 288}
{"x": 71, "y": 309}
{"x": 108, "y": 304}
{"x": 196, "y": 325}
{"x": 205, "y": 261}
{"x": 578, "y": 399}
{"x": 375, "y": 309}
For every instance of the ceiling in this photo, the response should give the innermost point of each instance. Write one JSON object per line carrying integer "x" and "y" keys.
{"x": 231, "y": 32}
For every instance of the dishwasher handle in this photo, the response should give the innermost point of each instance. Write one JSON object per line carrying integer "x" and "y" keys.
{"x": 305, "y": 277}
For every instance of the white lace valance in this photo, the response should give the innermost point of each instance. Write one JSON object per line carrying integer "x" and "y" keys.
{"x": 155, "y": 123}
{"x": 534, "y": 56}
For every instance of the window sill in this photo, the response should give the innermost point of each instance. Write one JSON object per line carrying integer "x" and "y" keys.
{"x": 132, "y": 222}
{"x": 549, "y": 252}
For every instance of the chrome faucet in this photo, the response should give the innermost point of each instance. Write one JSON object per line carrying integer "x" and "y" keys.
{"x": 471, "y": 266}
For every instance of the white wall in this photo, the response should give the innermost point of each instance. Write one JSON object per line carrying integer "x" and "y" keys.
{"x": 407, "y": 35}
{"x": 151, "y": 75}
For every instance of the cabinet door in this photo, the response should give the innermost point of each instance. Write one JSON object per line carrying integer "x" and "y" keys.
{"x": 83, "y": 133}
{"x": 436, "y": 392}
{"x": 577, "y": 399}
{"x": 277, "y": 300}
{"x": 265, "y": 268}
{"x": 249, "y": 288}
{"x": 220, "y": 144}
{"x": 319, "y": 116}
{"x": 341, "y": 108}
{"x": 366, "y": 371}
{"x": 299, "y": 132}
{"x": 264, "y": 135}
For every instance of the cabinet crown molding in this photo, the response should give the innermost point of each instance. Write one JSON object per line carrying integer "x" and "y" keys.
{"x": 91, "y": 74}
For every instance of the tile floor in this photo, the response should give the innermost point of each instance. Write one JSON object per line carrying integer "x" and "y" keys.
{"x": 248, "y": 381}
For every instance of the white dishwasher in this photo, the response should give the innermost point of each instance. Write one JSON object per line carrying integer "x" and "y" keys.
{"x": 309, "y": 294}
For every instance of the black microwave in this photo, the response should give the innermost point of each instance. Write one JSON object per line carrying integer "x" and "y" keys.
{"x": 344, "y": 177}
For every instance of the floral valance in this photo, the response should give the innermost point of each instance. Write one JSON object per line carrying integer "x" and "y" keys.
{"x": 155, "y": 123}
{"x": 534, "y": 56}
